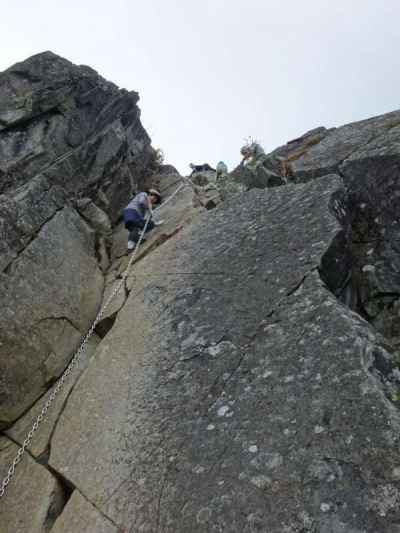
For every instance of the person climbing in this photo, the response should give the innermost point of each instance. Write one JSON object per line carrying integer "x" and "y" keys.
{"x": 251, "y": 152}
{"x": 135, "y": 212}
{"x": 222, "y": 170}
{"x": 205, "y": 167}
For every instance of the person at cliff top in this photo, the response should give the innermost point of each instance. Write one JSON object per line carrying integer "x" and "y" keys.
{"x": 135, "y": 212}
{"x": 222, "y": 170}
{"x": 205, "y": 167}
{"x": 251, "y": 153}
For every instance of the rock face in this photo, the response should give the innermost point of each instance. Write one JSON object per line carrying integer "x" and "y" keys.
{"x": 35, "y": 499}
{"x": 72, "y": 149}
{"x": 247, "y": 377}
{"x": 70, "y": 125}
{"x": 236, "y": 393}
{"x": 82, "y": 516}
{"x": 51, "y": 294}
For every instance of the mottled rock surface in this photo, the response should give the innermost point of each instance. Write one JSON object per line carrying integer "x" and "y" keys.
{"x": 236, "y": 393}
{"x": 247, "y": 377}
{"x": 50, "y": 295}
{"x": 80, "y": 516}
{"x": 40, "y": 447}
{"x": 72, "y": 149}
{"x": 323, "y": 151}
{"x": 69, "y": 124}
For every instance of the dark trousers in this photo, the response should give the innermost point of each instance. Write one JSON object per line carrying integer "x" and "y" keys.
{"x": 134, "y": 222}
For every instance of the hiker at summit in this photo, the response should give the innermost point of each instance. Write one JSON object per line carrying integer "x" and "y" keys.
{"x": 135, "y": 212}
{"x": 222, "y": 170}
{"x": 252, "y": 153}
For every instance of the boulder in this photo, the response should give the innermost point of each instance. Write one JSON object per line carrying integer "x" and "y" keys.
{"x": 235, "y": 392}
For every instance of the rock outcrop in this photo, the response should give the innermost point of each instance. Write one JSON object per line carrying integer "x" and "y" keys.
{"x": 68, "y": 124}
{"x": 247, "y": 376}
{"x": 236, "y": 393}
{"x": 72, "y": 149}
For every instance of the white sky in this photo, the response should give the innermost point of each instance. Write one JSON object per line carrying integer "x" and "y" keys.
{"x": 212, "y": 72}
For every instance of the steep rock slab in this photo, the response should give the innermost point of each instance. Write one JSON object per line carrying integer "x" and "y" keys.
{"x": 80, "y": 516}
{"x": 40, "y": 446}
{"x": 34, "y": 498}
{"x": 176, "y": 214}
{"x": 50, "y": 296}
{"x": 234, "y": 392}
{"x": 73, "y": 126}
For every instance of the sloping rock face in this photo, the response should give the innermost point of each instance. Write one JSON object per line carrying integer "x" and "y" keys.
{"x": 236, "y": 392}
{"x": 35, "y": 500}
{"x": 72, "y": 150}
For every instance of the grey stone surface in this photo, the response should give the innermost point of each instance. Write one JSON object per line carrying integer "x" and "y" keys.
{"x": 322, "y": 154}
{"x": 40, "y": 446}
{"x": 50, "y": 293}
{"x": 95, "y": 216}
{"x": 23, "y": 213}
{"x": 176, "y": 214}
{"x": 66, "y": 134}
{"x": 100, "y": 222}
{"x": 34, "y": 498}
{"x": 68, "y": 123}
{"x": 80, "y": 516}
{"x": 234, "y": 392}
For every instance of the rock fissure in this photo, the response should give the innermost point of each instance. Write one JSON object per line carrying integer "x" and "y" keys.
{"x": 8, "y": 269}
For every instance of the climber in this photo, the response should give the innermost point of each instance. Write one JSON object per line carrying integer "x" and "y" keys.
{"x": 251, "y": 152}
{"x": 222, "y": 170}
{"x": 135, "y": 212}
{"x": 205, "y": 167}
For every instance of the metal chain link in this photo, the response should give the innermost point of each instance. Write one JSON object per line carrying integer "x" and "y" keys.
{"x": 74, "y": 360}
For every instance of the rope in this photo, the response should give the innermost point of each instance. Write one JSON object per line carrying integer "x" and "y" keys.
{"x": 77, "y": 355}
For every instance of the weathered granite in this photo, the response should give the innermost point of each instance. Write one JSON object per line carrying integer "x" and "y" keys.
{"x": 71, "y": 125}
{"x": 80, "y": 516}
{"x": 50, "y": 293}
{"x": 34, "y": 498}
{"x": 40, "y": 446}
{"x": 324, "y": 151}
{"x": 68, "y": 139}
{"x": 234, "y": 392}
{"x": 23, "y": 214}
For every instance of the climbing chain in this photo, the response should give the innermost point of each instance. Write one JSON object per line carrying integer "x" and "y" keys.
{"x": 76, "y": 357}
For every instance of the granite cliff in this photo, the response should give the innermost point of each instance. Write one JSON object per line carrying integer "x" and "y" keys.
{"x": 247, "y": 377}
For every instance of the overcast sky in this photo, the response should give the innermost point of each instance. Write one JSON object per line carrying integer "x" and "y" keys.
{"x": 211, "y": 73}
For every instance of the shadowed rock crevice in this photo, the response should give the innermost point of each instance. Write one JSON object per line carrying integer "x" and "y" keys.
{"x": 361, "y": 266}
{"x": 41, "y": 491}
{"x": 349, "y": 269}
{"x": 105, "y": 325}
